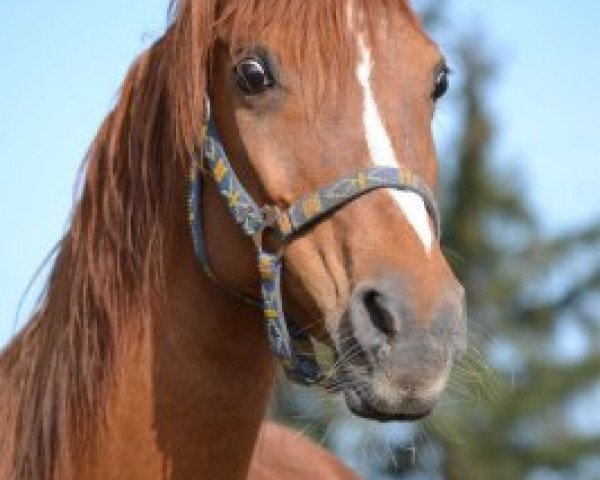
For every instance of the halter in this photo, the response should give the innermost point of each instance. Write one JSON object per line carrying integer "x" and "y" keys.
{"x": 291, "y": 344}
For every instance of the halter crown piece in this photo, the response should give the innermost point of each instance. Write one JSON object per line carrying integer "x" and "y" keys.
{"x": 292, "y": 345}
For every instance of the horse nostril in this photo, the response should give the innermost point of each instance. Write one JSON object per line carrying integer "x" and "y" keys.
{"x": 379, "y": 313}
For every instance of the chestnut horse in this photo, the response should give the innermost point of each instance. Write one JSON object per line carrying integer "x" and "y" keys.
{"x": 136, "y": 363}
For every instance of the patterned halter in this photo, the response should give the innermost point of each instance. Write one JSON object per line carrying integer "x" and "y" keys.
{"x": 292, "y": 345}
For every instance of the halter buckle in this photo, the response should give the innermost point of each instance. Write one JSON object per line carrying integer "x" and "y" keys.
{"x": 271, "y": 215}
{"x": 272, "y": 220}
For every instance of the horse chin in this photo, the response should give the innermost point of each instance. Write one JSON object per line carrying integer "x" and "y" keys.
{"x": 363, "y": 403}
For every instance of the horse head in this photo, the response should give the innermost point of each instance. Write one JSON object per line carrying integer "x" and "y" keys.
{"x": 302, "y": 94}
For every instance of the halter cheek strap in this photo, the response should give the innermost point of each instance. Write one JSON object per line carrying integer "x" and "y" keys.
{"x": 292, "y": 345}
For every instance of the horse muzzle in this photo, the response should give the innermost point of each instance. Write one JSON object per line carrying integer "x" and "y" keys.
{"x": 394, "y": 363}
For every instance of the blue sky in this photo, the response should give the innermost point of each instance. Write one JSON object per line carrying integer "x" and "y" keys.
{"x": 62, "y": 63}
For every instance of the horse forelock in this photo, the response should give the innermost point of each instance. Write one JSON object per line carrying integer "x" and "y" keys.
{"x": 313, "y": 34}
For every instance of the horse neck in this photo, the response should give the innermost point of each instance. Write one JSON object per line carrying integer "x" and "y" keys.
{"x": 194, "y": 392}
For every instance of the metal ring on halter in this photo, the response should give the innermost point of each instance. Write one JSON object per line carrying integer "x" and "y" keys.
{"x": 271, "y": 216}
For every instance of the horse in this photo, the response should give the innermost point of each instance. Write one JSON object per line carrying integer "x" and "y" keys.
{"x": 147, "y": 357}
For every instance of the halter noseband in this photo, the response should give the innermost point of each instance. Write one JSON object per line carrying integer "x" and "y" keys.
{"x": 292, "y": 345}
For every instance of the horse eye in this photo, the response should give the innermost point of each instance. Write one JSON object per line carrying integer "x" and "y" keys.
{"x": 252, "y": 76}
{"x": 441, "y": 83}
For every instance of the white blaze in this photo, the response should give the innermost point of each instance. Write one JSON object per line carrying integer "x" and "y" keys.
{"x": 380, "y": 145}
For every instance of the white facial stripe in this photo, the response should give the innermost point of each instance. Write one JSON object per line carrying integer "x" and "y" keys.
{"x": 380, "y": 145}
{"x": 378, "y": 140}
{"x": 413, "y": 207}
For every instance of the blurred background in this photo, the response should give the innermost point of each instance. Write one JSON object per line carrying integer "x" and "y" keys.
{"x": 518, "y": 138}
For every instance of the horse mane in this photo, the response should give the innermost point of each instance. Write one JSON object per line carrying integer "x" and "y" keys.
{"x": 56, "y": 372}
{"x": 107, "y": 266}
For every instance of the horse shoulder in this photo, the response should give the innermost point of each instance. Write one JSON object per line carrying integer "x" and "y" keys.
{"x": 283, "y": 454}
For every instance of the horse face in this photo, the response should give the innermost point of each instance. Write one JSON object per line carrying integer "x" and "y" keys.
{"x": 357, "y": 89}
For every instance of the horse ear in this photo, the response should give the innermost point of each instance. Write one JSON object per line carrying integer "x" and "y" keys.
{"x": 189, "y": 43}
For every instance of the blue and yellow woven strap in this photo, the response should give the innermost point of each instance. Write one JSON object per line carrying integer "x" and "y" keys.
{"x": 292, "y": 345}
{"x": 324, "y": 201}
{"x": 245, "y": 211}
{"x": 194, "y": 203}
